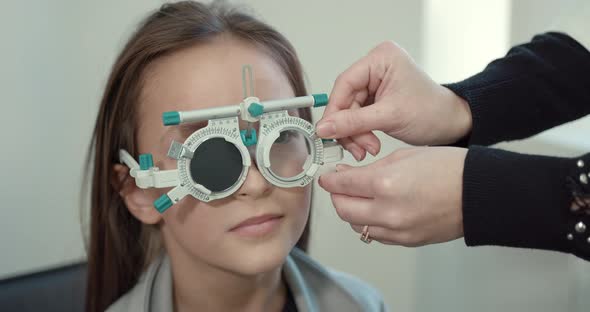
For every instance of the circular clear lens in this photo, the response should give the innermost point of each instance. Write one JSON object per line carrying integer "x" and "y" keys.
{"x": 216, "y": 164}
{"x": 290, "y": 154}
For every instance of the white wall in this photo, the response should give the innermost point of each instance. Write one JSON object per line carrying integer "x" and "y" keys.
{"x": 55, "y": 56}
{"x": 456, "y": 278}
{"x": 42, "y": 145}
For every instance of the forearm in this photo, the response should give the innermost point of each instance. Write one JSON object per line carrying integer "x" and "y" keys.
{"x": 518, "y": 200}
{"x": 536, "y": 86}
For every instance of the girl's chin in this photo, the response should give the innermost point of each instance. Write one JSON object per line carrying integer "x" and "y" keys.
{"x": 256, "y": 260}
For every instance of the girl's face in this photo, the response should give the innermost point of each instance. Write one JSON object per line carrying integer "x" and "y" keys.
{"x": 214, "y": 233}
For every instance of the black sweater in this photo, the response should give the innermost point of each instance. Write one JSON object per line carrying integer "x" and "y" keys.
{"x": 517, "y": 200}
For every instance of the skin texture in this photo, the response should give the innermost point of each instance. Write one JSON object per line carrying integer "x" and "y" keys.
{"x": 410, "y": 198}
{"x": 413, "y": 196}
{"x": 215, "y": 268}
{"x": 387, "y": 91}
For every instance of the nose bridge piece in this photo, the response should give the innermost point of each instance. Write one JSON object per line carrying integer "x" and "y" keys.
{"x": 249, "y": 137}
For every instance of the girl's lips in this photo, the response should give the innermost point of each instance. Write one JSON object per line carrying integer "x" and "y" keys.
{"x": 257, "y": 226}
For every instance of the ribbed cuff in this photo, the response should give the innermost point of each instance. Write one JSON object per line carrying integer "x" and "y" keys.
{"x": 483, "y": 98}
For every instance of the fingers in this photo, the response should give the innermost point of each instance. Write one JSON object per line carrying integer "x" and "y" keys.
{"x": 378, "y": 233}
{"x": 351, "y": 85}
{"x": 351, "y": 122}
{"x": 389, "y": 236}
{"x": 355, "y": 181}
{"x": 357, "y": 152}
{"x": 353, "y": 89}
{"x": 368, "y": 141}
{"x": 355, "y": 210}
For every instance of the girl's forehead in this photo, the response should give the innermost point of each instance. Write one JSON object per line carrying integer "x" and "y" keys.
{"x": 211, "y": 75}
{"x": 205, "y": 76}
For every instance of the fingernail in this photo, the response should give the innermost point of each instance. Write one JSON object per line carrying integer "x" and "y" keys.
{"x": 354, "y": 152}
{"x": 358, "y": 154}
{"x": 363, "y": 155}
{"x": 326, "y": 129}
{"x": 371, "y": 149}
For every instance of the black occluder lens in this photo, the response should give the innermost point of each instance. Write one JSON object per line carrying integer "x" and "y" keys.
{"x": 216, "y": 164}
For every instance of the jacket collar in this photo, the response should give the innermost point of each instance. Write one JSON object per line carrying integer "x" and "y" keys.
{"x": 158, "y": 290}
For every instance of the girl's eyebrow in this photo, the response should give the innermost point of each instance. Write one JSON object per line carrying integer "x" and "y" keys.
{"x": 184, "y": 129}
{"x": 189, "y": 128}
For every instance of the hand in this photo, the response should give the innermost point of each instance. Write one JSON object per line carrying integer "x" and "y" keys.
{"x": 386, "y": 91}
{"x": 412, "y": 197}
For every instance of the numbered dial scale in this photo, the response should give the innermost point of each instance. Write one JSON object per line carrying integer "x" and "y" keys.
{"x": 214, "y": 161}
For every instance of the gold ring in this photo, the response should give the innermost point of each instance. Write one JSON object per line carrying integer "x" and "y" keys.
{"x": 365, "y": 235}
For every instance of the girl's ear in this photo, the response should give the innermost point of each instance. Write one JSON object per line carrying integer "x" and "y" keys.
{"x": 139, "y": 202}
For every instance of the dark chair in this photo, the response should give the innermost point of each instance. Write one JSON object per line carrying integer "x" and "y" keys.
{"x": 60, "y": 289}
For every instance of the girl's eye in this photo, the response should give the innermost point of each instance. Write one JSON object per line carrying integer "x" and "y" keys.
{"x": 187, "y": 129}
{"x": 285, "y": 137}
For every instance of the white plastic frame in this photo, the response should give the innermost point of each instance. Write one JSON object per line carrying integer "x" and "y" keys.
{"x": 229, "y": 130}
{"x": 224, "y": 123}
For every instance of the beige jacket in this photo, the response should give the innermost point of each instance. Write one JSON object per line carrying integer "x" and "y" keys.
{"x": 314, "y": 288}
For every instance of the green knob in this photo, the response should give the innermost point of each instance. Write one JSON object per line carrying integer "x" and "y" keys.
{"x": 255, "y": 109}
{"x": 145, "y": 161}
{"x": 248, "y": 137}
{"x": 171, "y": 118}
{"x": 320, "y": 99}
{"x": 163, "y": 203}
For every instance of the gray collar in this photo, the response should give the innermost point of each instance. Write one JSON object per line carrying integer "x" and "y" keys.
{"x": 159, "y": 292}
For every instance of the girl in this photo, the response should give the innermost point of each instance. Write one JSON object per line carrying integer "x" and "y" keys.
{"x": 242, "y": 253}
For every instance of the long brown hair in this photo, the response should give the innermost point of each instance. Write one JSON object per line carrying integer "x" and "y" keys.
{"x": 120, "y": 246}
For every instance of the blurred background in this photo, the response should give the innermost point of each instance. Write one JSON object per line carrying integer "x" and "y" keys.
{"x": 54, "y": 60}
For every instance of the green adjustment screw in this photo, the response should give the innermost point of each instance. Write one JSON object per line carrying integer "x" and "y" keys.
{"x": 256, "y": 109}
{"x": 163, "y": 203}
{"x": 171, "y": 118}
{"x": 320, "y": 99}
{"x": 145, "y": 161}
{"x": 248, "y": 136}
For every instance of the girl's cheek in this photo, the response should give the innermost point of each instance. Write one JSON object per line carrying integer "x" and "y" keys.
{"x": 165, "y": 162}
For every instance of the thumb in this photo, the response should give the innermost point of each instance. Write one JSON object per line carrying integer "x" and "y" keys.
{"x": 350, "y": 122}
{"x": 342, "y": 167}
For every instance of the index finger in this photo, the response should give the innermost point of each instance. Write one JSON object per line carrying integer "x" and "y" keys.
{"x": 357, "y": 83}
{"x": 347, "y": 85}
{"x": 354, "y": 181}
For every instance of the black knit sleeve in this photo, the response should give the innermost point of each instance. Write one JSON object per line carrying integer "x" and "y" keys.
{"x": 517, "y": 200}
{"x": 536, "y": 86}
